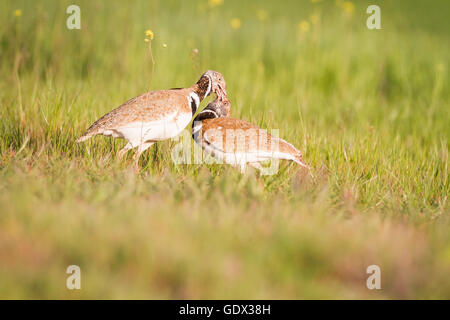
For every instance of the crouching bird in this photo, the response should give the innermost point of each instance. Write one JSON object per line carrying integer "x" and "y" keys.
{"x": 155, "y": 115}
{"x": 238, "y": 142}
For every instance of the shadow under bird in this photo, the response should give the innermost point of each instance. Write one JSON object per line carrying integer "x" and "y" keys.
{"x": 155, "y": 115}
{"x": 238, "y": 142}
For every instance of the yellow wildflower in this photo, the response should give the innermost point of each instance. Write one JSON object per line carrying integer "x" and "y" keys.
{"x": 303, "y": 26}
{"x": 215, "y": 3}
{"x": 17, "y": 13}
{"x": 164, "y": 45}
{"x": 147, "y": 40}
{"x": 262, "y": 15}
{"x": 149, "y": 33}
{"x": 348, "y": 7}
{"x": 235, "y": 23}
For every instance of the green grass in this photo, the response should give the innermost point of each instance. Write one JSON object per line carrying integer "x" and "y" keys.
{"x": 369, "y": 110}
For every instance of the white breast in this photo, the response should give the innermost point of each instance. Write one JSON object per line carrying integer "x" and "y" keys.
{"x": 139, "y": 132}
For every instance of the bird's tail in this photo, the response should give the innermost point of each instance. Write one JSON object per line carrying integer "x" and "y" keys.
{"x": 299, "y": 160}
{"x": 83, "y": 138}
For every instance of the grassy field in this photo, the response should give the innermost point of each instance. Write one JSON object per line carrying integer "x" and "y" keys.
{"x": 368, "y": 108}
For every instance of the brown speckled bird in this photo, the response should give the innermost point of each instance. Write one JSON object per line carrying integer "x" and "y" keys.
{"x": 156, "y": 115}
{"x": 238, "y": 142}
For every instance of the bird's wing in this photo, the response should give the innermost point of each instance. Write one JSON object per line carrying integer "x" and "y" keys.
{"x": 148, "y": 107}
{"x": 232, "y": 135}
{"x": 236, "y": 136}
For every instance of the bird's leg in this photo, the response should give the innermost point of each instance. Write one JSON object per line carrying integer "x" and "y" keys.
{"x": 142, "y": 147}
{"x": 124, "y": 150}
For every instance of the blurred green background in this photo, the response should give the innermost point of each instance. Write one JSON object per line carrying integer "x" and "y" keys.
{"x": 368, "y": 108}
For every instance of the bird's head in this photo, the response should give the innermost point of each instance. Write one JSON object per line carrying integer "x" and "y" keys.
{"x": 220, "y": 107}
{"x": 213, "y": 81}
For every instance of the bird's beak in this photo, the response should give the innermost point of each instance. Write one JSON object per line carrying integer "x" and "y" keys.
{"x": 221, "y": 92}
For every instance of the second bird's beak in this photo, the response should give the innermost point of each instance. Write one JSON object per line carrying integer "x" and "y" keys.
{"x": 221, "y": 92}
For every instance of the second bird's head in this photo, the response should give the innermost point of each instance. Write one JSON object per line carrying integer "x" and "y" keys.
{"x": 212, "y": 81}
{"x": 220, "y": 108}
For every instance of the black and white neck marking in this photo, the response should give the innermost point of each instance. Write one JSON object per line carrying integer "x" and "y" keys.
{"x": 203, "y": 88}
{"x": 207, "y": 113}
{"x": 194, "y": 102}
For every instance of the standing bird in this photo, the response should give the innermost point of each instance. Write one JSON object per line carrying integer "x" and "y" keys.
{"x": 155, "y": 115}
{"x": 238, "y": 142}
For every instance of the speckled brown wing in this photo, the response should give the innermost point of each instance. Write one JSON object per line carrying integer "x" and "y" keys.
{"x": 236, "y": 136}
{"x": 148, "y": 107}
